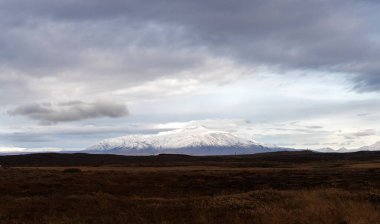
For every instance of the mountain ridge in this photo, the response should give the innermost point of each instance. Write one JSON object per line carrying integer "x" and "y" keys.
{"x": 192, "y": 140}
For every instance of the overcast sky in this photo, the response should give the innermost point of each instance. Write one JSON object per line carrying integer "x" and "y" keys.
{"x": 294, "y": 73}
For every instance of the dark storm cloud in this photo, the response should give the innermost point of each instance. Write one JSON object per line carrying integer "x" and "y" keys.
{"x": 153, "y": 39}
{"x": 48, "y": 113}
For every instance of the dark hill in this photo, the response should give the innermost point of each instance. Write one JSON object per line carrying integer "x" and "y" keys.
{"x": 256, "y": 160}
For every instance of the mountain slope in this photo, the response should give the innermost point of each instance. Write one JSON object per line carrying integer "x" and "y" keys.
{"x": 373, "y": 147}
{"x": 194, "y": 140}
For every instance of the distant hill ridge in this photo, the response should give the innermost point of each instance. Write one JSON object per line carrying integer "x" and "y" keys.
{"x": 274, "y": 159}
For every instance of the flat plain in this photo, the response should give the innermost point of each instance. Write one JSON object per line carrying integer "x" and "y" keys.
{"x": 284, "y": 187}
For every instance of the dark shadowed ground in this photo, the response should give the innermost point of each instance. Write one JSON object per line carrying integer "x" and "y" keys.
{"x": 284, "y": 187}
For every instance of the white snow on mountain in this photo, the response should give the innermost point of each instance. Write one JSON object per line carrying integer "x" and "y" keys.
{"x": 193, "y": 140}
{"x": 19, "y": 150}
{"x": 330, "y": 150}
{"x": 373, "y": 147}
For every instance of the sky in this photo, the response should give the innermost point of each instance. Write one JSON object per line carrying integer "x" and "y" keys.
{"x": 293, "y": 73}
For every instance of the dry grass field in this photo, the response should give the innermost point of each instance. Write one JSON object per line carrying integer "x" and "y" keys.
{"x": 283, "y": 188}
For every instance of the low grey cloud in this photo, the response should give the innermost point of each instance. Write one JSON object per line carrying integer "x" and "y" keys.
{"x": 48, "y": 113}
{"x": 80, "y": 136}
{"x": 360, "y": 134}
{"x": 365, "y": 133}
{"x": 367, "y": 82}
{"x": 314, "y": 127}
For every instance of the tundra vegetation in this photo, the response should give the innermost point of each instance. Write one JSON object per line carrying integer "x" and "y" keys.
{"x": 284, "y": 187}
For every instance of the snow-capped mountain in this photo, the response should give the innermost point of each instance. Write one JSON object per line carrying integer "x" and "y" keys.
{"x": 18, "y": 150}
{"x": 193, "y": 140}
{"x": 340, "y": 150}
{"x": 373, "y": 147}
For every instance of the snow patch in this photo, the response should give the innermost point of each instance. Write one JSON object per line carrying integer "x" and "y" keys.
{"x": 193, "y": 140}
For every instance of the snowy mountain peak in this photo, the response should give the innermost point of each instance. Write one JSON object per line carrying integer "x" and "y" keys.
{"x": 373, "y": 147}
{"x": 195, "y": 140}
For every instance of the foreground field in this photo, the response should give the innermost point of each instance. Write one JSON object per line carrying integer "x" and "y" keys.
{"x": 269, "y": 188}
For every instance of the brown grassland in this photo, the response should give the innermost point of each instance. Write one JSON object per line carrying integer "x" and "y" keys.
{"x": 297, "y": 187}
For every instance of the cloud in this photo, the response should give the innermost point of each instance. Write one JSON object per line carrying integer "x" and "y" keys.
{"x": 365, "y": 133}
{"x": 48, "y": 113}
{"x": 176, "y": 60}
{"x": 367, "y": 82}
{"x": 314, "y": 127}
{"x": 361, "y": 134}
{"x": 127, "y": 43}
